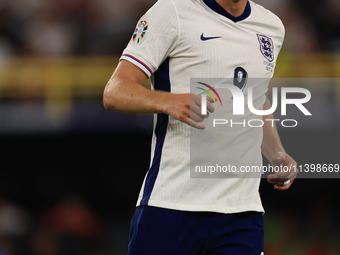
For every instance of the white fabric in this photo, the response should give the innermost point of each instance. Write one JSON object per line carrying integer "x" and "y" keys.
{"x": 174, "y": 31}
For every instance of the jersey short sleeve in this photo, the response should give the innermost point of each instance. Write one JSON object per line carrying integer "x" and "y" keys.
{"x": 154, "y": 38}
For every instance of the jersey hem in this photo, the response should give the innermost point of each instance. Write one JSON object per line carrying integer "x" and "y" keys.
{"x": 205, "y": 208}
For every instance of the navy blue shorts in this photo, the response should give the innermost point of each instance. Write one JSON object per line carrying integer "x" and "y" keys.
{"x": 159, "y": 231}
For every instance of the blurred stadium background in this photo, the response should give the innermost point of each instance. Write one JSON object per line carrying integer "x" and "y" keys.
{"x": 70, "y": 171}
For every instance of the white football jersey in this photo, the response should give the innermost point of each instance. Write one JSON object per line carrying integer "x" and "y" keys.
{"x": 180, "y": 40}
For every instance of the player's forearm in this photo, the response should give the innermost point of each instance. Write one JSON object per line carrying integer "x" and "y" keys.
{"x": 132, "y": 98}
{"x": 125, "y": 93}
{"x": 271, "y": 143}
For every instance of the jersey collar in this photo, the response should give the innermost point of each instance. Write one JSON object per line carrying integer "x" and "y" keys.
{"x": 212, "y": 4}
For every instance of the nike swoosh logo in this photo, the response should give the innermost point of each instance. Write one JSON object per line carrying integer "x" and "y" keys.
{"x": 209, "y": 38}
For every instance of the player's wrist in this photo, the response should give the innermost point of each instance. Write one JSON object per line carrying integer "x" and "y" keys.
{"x": 161, "y": 104}
{"x": 276, "y": 155}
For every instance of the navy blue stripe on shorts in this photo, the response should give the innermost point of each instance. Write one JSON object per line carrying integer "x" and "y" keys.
{"x": 160, "y": 231}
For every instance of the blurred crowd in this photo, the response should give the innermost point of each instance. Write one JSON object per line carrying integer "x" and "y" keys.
{"x": 101, "y": 27}
{"x": 68, "y": 227}
{"x": 51, "y": 28}
{"x": 71, "y": 227}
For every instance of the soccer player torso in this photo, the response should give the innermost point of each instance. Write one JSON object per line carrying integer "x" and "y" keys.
{"x": 180, "y": 40}
{"x": 212, "y": 45}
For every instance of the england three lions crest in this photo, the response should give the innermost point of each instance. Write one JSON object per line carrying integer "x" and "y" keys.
{"x": 266, "y": 47}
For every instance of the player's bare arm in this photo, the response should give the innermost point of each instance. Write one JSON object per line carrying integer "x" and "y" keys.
{"x": 273, "y": 150}
{"x": 125, "y": 93}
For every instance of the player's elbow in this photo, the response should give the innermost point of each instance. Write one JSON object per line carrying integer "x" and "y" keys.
{"x": 108, "y": 100}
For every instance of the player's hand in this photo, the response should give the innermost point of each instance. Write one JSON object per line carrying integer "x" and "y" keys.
{"x": 283, "y": 161}
{"x": 187, "y": 108}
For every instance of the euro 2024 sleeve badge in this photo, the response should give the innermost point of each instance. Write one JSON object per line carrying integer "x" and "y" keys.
{"x": 266, "y": 47}
{"x": 140, "y": 31}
